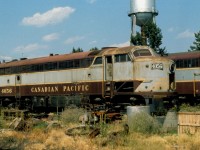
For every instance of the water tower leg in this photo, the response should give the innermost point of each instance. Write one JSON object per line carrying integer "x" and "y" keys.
{"x": 133, "y": 32}
{"x": 154, "y": 19}
{"x": 133, "y": 27}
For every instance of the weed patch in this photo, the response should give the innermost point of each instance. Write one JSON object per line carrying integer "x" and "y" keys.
{"x": 144, "y": 123}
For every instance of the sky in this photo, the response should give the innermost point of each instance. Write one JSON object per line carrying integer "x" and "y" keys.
{"x": 36, "y": 28}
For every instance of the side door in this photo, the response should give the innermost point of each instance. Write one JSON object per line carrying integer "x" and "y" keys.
{"x": 196, "y": 84}
{"x": 108, "y": 77}
{"x": 17, "y": 86}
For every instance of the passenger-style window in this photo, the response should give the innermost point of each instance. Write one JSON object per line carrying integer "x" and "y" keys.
{"x": 76, "y": 63}
{"x": 98, "y": 61}
{"x": 50, "y": 66}
{"x": 66, "y": 64}
{"x": 7, "y": 70}
{"x": 187, "y": 63}
{"x": 37, "y": 67}
{"x": 2, "y": 71}
{"x": 142, "y": 52}
{"x": 195, "y": 62}
{"x": 122, "y": 58}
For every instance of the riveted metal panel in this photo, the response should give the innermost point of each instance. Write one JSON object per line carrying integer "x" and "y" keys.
{"x": 8, "y": 80}
{"x": 123, "y": 71}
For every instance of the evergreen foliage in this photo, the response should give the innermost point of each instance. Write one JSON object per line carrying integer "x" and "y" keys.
{"x": 196, "y": 43}
{"x": 94, "y": 49}
{"x": 136, "y": 40}
{"x": 77, "y": 50}
{"x": 154, "y": 38}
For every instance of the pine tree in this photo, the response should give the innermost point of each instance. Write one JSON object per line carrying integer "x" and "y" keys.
{"x": 154, "y": 38}
{"x": 77, "y": 50}
{"x": 136, "y": 40}
{"x": 94, "y": 49}
{"x": 196, "y": 43}
{"x": 73, "y": 50}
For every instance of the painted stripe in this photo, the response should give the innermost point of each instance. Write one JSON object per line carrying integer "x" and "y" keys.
{"x": 14, "y": 74}
{"x": 89, "y": 81}
{"x": 187, "y": 68}
{"x": 181, "y": 81}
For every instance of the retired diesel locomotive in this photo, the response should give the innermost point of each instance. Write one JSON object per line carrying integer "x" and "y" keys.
{"x": 187, "y": 76}
{"x": 132, "y": 74}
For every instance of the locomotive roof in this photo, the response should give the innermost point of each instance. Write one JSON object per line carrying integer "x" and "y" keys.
{"x": 185, "y": 55}
{"x": 72, "y": 56}
{"x": 119, "y": 50}
{"x": 54, "y": 58}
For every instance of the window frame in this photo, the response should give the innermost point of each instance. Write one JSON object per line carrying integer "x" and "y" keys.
{"x": 98, "y": 61}
{"x": 119, "y": 58}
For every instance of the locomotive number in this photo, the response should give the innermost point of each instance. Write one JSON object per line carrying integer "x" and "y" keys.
{"x": 6, "y": 91}
{"x": 158, "y": 66}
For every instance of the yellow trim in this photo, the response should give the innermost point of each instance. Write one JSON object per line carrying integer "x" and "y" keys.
{"x": 187, "y": 81}
{"x": 45, "y": 71}
{"x": 53, "y": 83}
{"x": 187, "y": 68}
{"x": 65, "y": 82}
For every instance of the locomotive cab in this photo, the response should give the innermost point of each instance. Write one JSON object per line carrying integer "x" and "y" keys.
{"x": 134, "y": 72}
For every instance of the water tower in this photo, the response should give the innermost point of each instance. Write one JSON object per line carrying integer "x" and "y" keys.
{"x": 141, "y": 13}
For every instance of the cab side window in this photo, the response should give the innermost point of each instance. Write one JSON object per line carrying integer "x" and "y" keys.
{"x": 122, "y": 58}
{"x": 98, "y": 61}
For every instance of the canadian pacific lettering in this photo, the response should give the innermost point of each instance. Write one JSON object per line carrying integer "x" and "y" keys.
{"x": 65, "y": 88}
{"x": 49, "y": 89}
{"x": 76, "y": 88}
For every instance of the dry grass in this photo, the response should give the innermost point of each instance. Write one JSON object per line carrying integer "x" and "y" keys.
{"x": 56, "y": 139}
{"x": 184, "y": 141}
{"x": 37, "y": 135}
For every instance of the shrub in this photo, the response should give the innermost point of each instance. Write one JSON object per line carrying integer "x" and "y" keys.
{"x": 41, "y": 125}
{"x": 2, "y": 123}
{"x": 144, "y": 123}
{"x": 71, "y": 115}
{"x": 189, "y": 108}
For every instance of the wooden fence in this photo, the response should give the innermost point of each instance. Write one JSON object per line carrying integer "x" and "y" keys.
{"x": 188, "y": 122}
{"x": 10, "y": 114}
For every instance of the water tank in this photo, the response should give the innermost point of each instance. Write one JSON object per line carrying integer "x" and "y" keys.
{"x": 134, "y": 110}
{"x": 143, "y": 10}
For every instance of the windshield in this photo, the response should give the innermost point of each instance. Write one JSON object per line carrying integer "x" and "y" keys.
{"x": 142, "y": 52}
